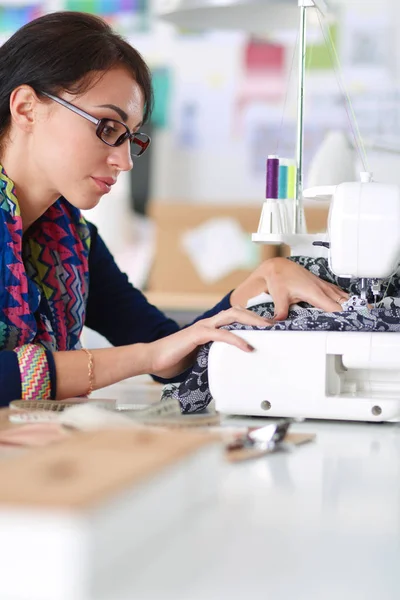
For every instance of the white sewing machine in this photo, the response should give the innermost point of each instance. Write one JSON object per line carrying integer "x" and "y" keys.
{"x": 326, "y": 375}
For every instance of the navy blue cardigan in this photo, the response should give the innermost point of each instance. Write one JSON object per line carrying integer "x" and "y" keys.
{"x": 115, "y": 309}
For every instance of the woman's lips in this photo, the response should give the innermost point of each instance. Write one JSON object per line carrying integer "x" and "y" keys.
{"x": 104, "y": 183}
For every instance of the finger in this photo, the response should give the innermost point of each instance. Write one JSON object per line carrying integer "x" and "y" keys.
{"x": 281, "y": 301}
{"x": 318, "y": 298}
{"x": 222, "y": 335}
{"x": 239, "y": 315}
{"x": 334, "y": 292}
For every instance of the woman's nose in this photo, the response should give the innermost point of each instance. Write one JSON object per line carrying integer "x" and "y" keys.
{"x": 120, "y": 157}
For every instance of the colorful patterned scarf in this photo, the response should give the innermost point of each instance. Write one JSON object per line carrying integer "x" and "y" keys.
{"x": 44, "y": 274}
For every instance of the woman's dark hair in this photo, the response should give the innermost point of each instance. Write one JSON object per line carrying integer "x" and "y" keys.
{"x": 59, "y": 52}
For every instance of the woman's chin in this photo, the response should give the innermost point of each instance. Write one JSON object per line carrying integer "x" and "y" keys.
{"x": 91, "y": 203}
{"x": 85, "y": 203}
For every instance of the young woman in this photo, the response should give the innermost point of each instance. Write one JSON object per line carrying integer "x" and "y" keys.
{"x": 73, "y": 96}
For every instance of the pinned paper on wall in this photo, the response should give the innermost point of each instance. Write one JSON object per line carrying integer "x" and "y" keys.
{"x": 188, "y": 133}
{"x": 367, "y": 38}
{"x": 263, "y": 56}
{"x": 263, "y": 78}
{"x": 202, "y": 113}
{"x": 319, "y": 56}
{"x": 218, "y": 247}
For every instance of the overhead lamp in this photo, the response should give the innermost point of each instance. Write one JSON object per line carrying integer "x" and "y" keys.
{"x": 258, "y": 17}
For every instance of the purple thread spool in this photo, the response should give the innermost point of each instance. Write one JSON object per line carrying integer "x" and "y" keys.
{"x": 272, "y": 177}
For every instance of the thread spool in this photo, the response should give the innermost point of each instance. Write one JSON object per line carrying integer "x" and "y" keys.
{"x": 270, "y": 221}
{"x": 291, "y": 194}
{"x": 282, "y": 191}
{"x": 272, "y": 186}
{"x": 291, "y": 182}
{"x": 283, "y": 180}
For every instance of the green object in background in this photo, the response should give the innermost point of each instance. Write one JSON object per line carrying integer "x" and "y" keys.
{"x": 320, "y": 56}
{"x": 161, "y": 78}
{"x": 89, "y": 6}
{"x": 108, "y": 7}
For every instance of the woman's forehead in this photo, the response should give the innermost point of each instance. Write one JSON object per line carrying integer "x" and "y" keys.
{"x": 116, "y": 87}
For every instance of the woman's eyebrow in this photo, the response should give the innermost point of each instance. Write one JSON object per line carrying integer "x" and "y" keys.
{"x": 117, "y": 109}
{"x": 121, "y": 113}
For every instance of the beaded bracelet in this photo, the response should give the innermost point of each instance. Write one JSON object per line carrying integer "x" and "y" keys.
{"x": 90, "y": 371}
{"x": 34, "y": 371}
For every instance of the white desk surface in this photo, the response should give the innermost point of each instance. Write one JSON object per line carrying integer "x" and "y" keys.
{"x": 321, "y": 522}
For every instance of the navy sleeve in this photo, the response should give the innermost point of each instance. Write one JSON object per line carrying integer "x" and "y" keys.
{"x": 10, "y": 381}
{"x": 119, "y": 311}
{"x": 10, "y": 378}
{"x": 52, "y": 372}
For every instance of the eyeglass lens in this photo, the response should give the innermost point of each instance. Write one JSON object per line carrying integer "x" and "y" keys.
{"x": 111, "y": 131}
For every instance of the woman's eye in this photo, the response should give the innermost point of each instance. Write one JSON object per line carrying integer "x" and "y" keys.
{"x": 109, "y": 130}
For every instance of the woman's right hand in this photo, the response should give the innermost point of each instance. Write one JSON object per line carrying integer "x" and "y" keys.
{"x": 175, "y": 353}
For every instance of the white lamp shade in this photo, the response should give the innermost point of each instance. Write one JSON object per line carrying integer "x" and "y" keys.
{"x": 259, "y": 17}
{"x": 334, "y": 161}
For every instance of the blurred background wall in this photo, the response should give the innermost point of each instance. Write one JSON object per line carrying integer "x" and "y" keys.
{"x": 225, "y": 99}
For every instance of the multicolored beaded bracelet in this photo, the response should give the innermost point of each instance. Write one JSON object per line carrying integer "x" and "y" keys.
{"x": 34, "y": 370}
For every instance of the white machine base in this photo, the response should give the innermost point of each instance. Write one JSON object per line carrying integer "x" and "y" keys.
{"x": 351, "y": 376}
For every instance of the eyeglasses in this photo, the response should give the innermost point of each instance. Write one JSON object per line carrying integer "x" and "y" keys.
{"x": 110, "y": 131}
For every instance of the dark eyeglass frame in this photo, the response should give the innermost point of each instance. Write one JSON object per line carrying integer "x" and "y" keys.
{"x": 101, "y": 123}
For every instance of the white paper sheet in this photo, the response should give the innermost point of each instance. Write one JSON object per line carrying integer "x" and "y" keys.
{"x": 218, "y": 247}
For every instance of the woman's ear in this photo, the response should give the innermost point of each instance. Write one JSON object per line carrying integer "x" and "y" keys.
{"x": 23, "y": 107}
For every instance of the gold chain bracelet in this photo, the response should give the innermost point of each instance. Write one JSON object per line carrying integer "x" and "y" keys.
{"x": 90, "y": 371}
